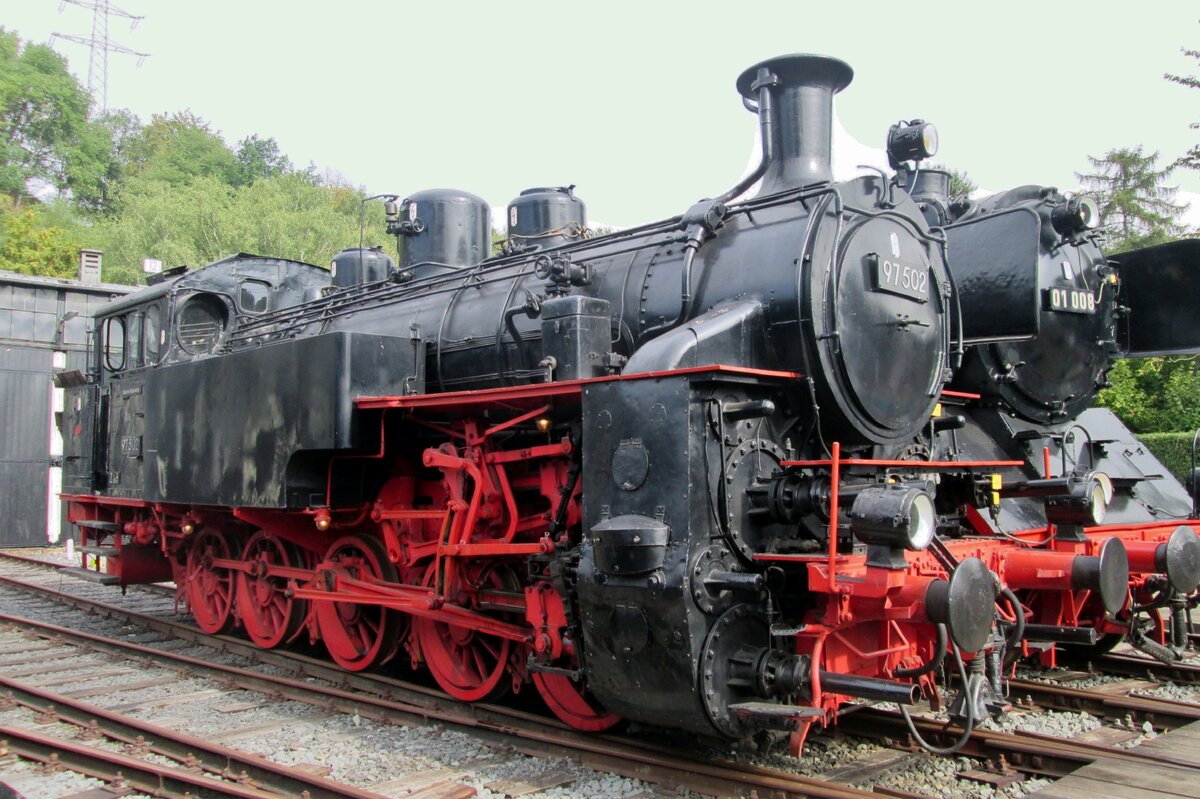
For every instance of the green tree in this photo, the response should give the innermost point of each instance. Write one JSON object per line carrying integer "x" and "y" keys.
{"x": 1134, "y": 200}
{"x": 1191, "y": 158}
{"x": 179, "y": 148}
{"x": 45, "y": 134}
{"x": 260, "y": 158}
{"x": 198, "y": 222}
{"x": 178, "y": 224}
{"x": 33, "y": 245}
{"x": 961, "y": 185}
{"x": 111, "y": 138}
{"x": 1155, "y": 395}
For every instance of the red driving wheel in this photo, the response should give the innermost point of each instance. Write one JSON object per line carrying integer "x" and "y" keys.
{"x": 467, "y": 664}
{"x": 270, "y": 616}
{"x": 210, "y": 589}
{"x": 359, "y": 636}
{"x": 568, "y": 700}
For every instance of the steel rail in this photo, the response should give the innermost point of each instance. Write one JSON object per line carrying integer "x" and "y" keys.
{"x": 1162, "y": 713}
{"x": 627, "y": 759}
{"x": 122, "y": 771}
{"x": 219, "y": 760}
{"x": 1139, "y": 666}
{"x": 1033, "y": 753}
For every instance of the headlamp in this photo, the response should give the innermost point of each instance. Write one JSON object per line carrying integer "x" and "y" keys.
{"x": 897, "y": 517}
{"x": 1076, "y": 499}
{"x": 1084, "y": 503}
{"x": 1076, "y": 215}
{"x": 911, "y": 141}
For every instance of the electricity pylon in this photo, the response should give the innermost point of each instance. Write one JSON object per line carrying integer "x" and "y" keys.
{"x": 100, "y": 45}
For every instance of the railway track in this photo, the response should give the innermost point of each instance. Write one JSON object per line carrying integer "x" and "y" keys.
{"x": 392, "y": 701}
{"x": 197, "y": 767}
{"x": 1004, "y": 757}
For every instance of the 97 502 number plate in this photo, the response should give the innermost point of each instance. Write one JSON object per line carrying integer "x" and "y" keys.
{"x": 895, "y": 277}
{"x": 1071, "y": 300}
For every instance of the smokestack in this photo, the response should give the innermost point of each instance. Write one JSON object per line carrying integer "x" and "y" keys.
{"x": 801, "y": 116}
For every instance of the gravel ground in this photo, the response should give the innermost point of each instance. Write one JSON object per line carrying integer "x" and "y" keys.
{"x": 938, "y": 776}
{"x": 1169, "y": 690}
{"x": 1046, "y": 722}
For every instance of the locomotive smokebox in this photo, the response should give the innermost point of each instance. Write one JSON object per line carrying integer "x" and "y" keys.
{"x": 799, "y": 116}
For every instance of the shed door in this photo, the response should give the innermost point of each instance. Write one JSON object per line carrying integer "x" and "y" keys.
{"x": 25, "y": 418}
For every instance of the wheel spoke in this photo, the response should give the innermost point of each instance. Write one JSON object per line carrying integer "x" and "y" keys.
{"x": 481, "y": 666}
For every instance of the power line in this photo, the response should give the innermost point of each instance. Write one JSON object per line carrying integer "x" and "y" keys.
{"x": 99, "y": 43}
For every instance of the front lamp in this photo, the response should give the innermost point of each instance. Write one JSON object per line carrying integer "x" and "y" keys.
{"x": 911, "y": 141}
{"x": 896, "y": 517}
{"x": 1084, "y": 503}
{"x": 1075, "y": 215}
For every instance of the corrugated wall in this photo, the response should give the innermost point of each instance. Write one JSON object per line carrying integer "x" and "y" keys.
{"x": 24, "y": 444}
{"x": 32, "y": 329}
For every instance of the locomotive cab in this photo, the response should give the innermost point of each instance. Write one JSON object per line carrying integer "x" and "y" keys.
{"x": 186, "y": 316}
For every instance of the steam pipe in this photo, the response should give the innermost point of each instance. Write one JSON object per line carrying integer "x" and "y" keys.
{"x": 766, "y": 131}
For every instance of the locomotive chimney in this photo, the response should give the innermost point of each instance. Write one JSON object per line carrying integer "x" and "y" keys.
{"x": 796, "y": 116}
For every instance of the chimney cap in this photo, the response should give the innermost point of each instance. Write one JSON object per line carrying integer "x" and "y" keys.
{"x": 799, "y": 68}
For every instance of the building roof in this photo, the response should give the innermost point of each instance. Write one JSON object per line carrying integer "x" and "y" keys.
{"x": 35, "y": 281}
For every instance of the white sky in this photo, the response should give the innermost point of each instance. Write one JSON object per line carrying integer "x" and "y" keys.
{"x": 634, "y": 101}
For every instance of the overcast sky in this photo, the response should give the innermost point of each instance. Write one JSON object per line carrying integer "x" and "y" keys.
{"x": 634, "y": 101}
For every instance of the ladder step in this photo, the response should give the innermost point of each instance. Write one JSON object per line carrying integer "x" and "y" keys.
{"x": 92, "y": 576}
{"x": 97, "y": 524}
{"x": 103, "y": 552}
{"x": 770, "y": 714}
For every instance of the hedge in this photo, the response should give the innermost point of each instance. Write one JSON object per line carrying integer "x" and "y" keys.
{"x": 1173, "y": 449}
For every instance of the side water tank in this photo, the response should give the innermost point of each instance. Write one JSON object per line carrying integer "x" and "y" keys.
{"x": 546, "y": 217}
{"x": 355, "y": 266}
{"x": 442, "y": 230}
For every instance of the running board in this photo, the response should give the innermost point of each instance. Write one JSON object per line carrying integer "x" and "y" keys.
{"x": 100, "y": 552}
{"x": 97, "y": 524}
{"x": 92, "y": 576}
{"x": 769, "y": 714}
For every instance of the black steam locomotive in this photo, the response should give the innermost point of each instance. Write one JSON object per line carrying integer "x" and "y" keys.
{"x": 679, "y": 474}
{"x": 1034, "y": 406}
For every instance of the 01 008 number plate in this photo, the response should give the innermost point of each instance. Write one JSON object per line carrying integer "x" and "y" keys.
{"x": 899, "y": 278}
{"x": 1071, "y": 300}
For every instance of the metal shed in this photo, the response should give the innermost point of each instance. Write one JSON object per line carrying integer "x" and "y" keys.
{"x": 44, "y": 327}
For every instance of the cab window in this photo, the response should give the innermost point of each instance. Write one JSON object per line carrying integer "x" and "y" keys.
{"x": 114, "y": 343}
{"x": 254, "y": 296}
{"x": 133, "y": 340}
{"x": 152, "y": 334}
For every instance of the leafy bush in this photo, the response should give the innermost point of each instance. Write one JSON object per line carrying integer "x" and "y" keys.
{"x": 1173, "y": 449}
{"x": 1155, "y": 395}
